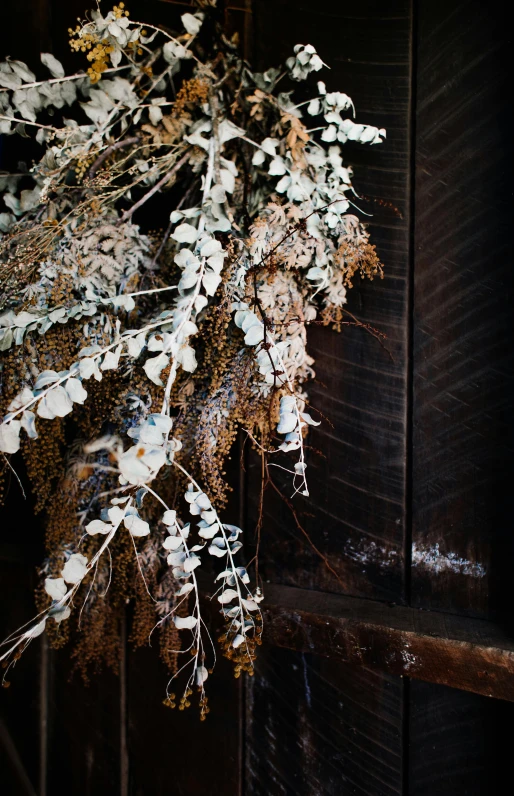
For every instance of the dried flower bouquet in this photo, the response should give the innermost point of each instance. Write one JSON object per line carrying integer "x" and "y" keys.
{"x": 131, "y": 358}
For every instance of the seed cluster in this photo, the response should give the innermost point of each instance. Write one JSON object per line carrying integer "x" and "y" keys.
{"x": 98, "y": 50}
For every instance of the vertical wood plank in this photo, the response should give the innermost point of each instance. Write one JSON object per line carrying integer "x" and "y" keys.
{"x": 463, "y": 332}
{"x": 356, "y": 513}
{"x": 318, "y": 727}
{"x": 21, "y": 706}
{"x": 84, "y": 731}
{"x": 19, "y": 703}
{"x": 459, "y": 743}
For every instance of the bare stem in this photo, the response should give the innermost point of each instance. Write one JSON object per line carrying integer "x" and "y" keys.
{"x": 158, "y": 185}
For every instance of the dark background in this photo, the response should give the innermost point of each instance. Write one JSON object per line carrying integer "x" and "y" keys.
{"x": 413, "y": 490}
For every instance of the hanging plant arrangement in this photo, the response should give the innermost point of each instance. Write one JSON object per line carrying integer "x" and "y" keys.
{"x": 133, "y": 357}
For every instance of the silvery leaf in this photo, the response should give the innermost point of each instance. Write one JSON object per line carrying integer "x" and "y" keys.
{"x": 28, "y": 422}
{"x": 255, "y": 335}
{"x": 56, "y": 588}
{"x": 185, "y": 622}
{"x": 169, "y": 517}
{"x": 176, "y": 558}
{"x": 227, "y": 596}
{"x": 172, "y": 543}
{"x": 288, "y": 422}
{"x": 191, "y": 563}
{"x": 75, "y": 568}
{"x": 201, "y": 675}
{"x": 98, "y": 526}
{"x": 36, "y": 630}
{"x": 75, "y": 391}
{"x": 136, "y": 526}
{"x": 209, "y": 532}
{"x": 308, "y": 419}
{"x": 185, "y": 233}
{"x": 58, "y": 402}
{"x": 52, "y": 64}
{"x": 111, "y": 359}
{"x": 210, "y": 282}
{"x": 185, "y": 589}
{"x": 154, "y": 366}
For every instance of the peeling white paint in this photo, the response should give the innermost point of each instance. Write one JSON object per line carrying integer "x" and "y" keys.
{"x": 371, "y": 553}
{"x": 432, "y": 559}
{"x": 408, "y": 659}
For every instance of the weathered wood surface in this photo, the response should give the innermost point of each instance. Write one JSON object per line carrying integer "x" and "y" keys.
{"x": 459, "y": 743}
{"x": 318, "y": 727}
{"x": 356, "y": 512}
{"x": 474, "y": 655}
{"x": 463, "y": 355}
{"x": 19, "y": 723}
{"x": 21, "y": 704}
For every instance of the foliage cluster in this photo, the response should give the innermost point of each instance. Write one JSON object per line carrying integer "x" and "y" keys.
{"x": 133, "y": 357}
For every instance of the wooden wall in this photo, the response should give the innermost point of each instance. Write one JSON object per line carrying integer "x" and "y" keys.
{"x": 411, "y": 484}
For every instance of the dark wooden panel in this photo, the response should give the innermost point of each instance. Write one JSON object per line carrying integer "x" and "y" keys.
{"x": 463, "y": 335}
{"x": 24, "y": 31}
{"x": 20, "y": 703}
{"x": 84, "y": 731}
{"x": 357, "y": 485}
{"x": 21, "y": 550}
{"x": 470, "y": 654}
{"x": 320, "y": 727}
{"x": 460, "y": 744}
{"x": 173, "y": 752}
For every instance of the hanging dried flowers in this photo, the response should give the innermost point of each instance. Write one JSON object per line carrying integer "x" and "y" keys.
{"x": 131, "y": 359}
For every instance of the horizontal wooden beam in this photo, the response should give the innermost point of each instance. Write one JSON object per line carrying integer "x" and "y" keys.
{"x": 470, "y": 654}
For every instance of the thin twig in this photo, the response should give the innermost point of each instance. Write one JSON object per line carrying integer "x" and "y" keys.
{"x": 302, "y": 529}
{"x": 158, "y": 185}
{"x": 110, "y": 149}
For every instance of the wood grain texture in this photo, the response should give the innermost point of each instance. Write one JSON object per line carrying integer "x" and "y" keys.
{"x": 463, "y": 332}
{"x": 84, "y": 730}
{"x": 321, "y": 727}
{"x": 472, "y": 655}
{"x": 19, "y": 704}
{"x": 460, "y": 743}
{"x": 357, "y": 484}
